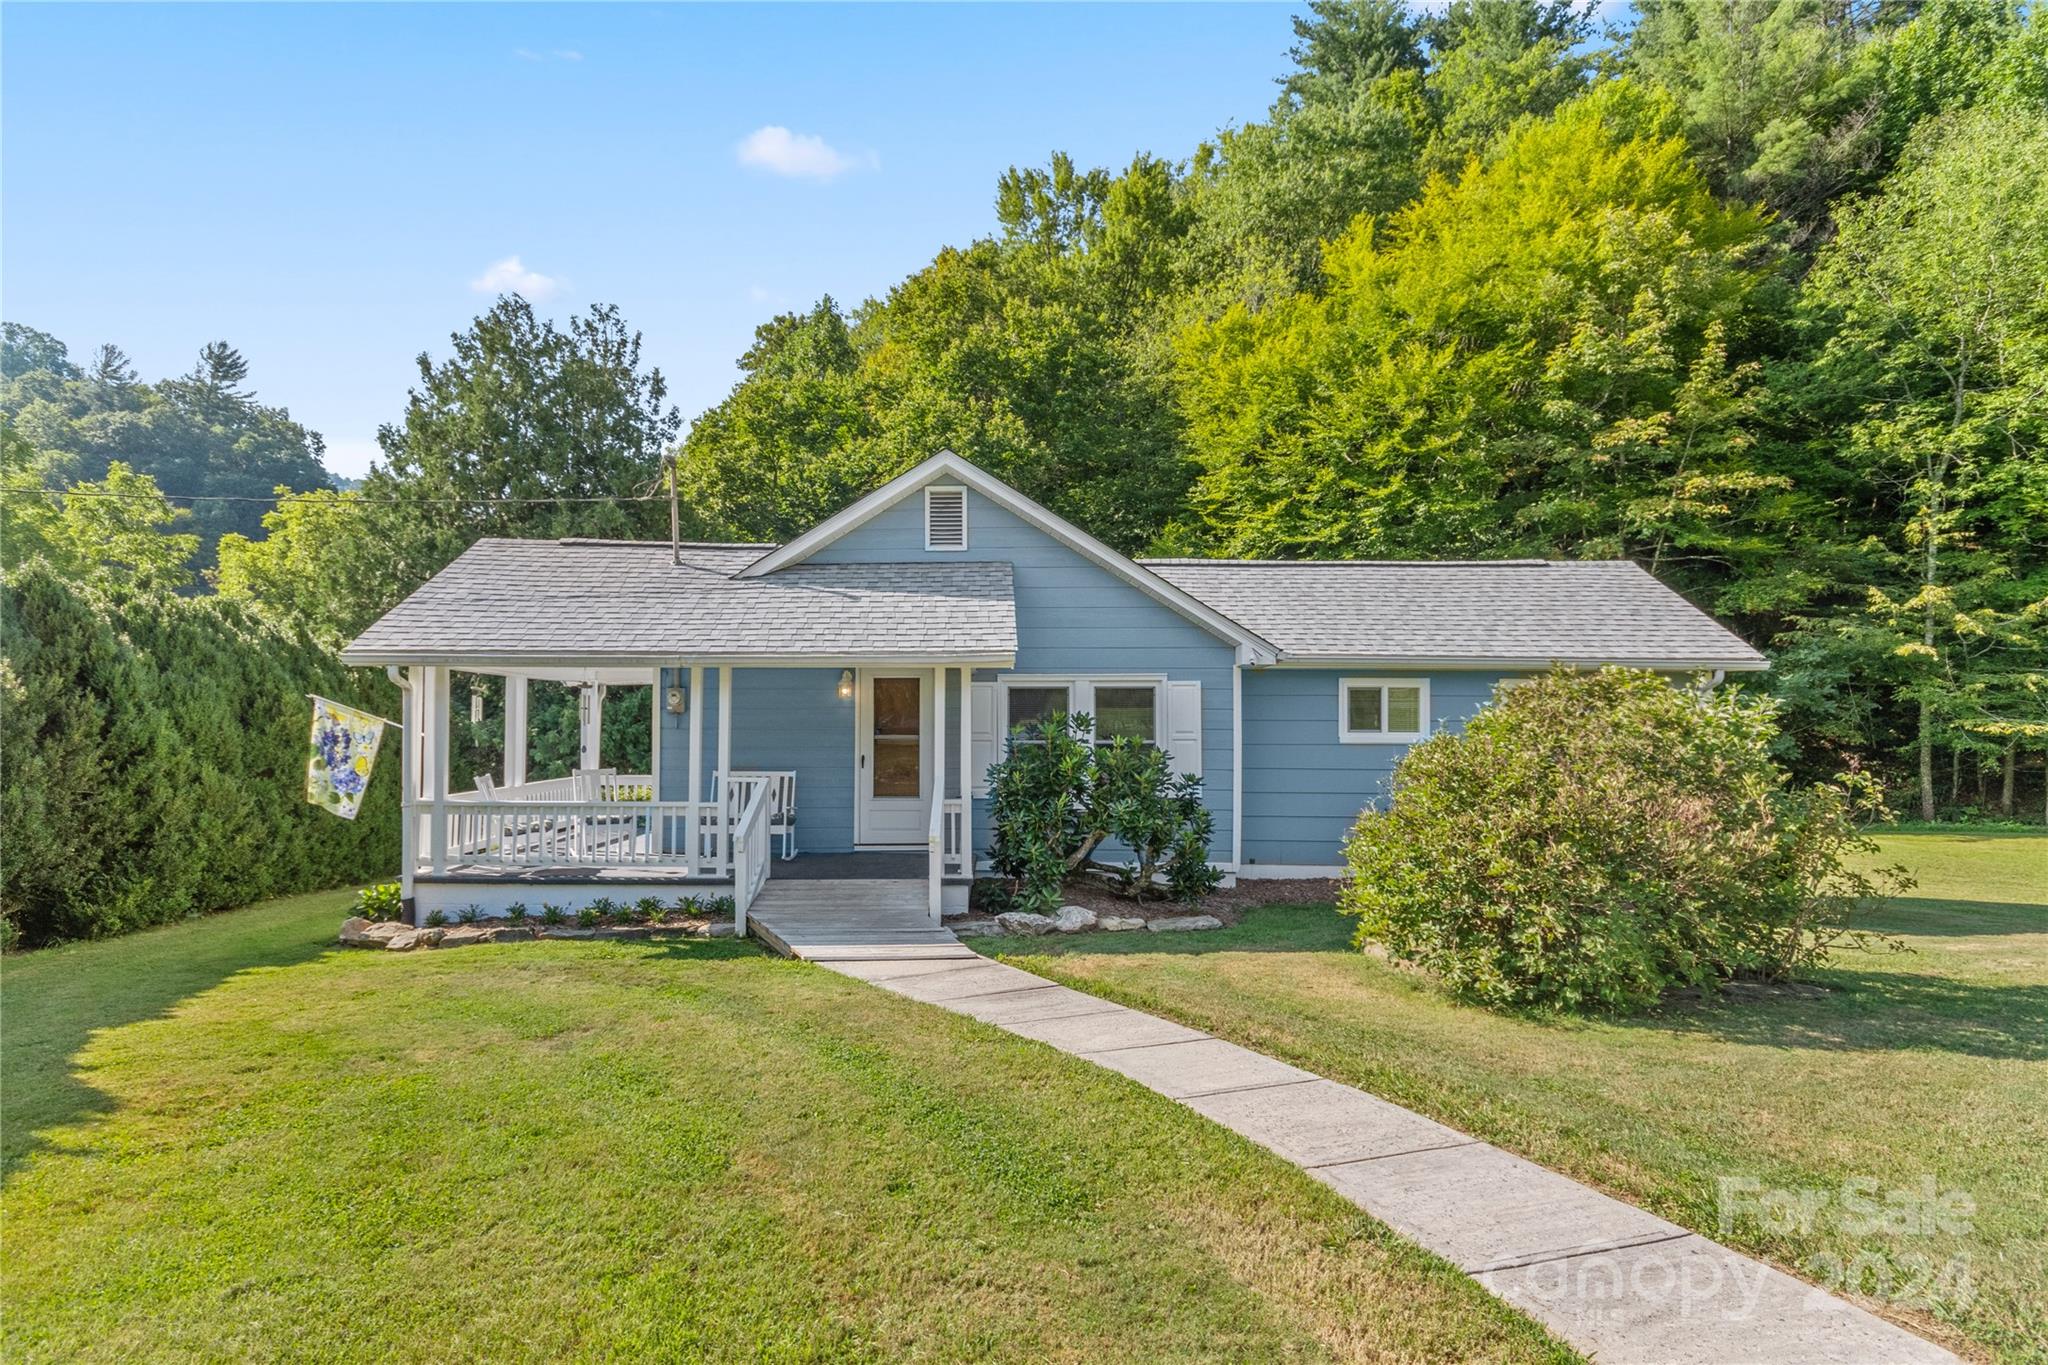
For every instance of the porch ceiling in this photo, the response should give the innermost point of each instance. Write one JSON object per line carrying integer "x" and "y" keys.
{"x": 535, "y": 606}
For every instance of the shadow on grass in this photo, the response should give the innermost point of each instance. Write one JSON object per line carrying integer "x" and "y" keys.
{"x": 1931, "y": 917}
{"x": 58, "y": 998}
{"x": 1870, "y": 1011}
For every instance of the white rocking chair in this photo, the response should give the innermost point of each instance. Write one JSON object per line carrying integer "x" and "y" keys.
{"x": 781, "y": 805}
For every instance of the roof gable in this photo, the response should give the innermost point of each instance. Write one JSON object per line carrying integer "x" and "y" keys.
{"x": 948, "y": 467}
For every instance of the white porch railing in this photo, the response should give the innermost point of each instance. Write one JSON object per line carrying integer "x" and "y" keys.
{"x": 753, "y": 852}
{"x": 538, "y": 833}
{"x": 956, "y": 860}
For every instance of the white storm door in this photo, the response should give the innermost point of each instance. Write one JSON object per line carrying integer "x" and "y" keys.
{"x": 893, "y": 770}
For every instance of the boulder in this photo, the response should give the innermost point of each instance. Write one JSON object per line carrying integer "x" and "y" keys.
{"x": 624, "y": 931}
{"x": 511, "y": 933}
{"x": 1177, "y": 923}
{"x": 976, "y": 928}
{"x": 1022, "y": 922}
{"x": 720, "y": 929}
{"x": 1119, "y": 924}
{"x": 563, "y": 931}
{"x": 357, "y": 932}
{"x": 404, "y": 941}
{"x": 462, "y": 935}
{"x": 1072, "y": 919}
{"x": 429, "y": 938}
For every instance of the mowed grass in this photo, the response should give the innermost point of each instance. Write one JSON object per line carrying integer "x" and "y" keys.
{"x": 231, "y": 1140}
{"x": 1929, "y": 1065}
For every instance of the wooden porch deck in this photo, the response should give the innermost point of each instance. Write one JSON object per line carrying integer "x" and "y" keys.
{"x": 866, "y": 920}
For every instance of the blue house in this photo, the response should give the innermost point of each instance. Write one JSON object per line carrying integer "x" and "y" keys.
{"x": 830, "y": 707}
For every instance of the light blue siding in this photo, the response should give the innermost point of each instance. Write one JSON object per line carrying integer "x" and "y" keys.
{"x": 1073, "y": 617}
{"x": 783, "y": 719}
{"x": 1303, "y": 789}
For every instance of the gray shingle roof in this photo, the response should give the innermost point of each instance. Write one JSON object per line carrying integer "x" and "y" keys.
{"x": 1531, "y": 612}
{"x": 537, "y": 600}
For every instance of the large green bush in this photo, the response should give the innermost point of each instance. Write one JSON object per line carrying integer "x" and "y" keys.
{"x": 1592, "y": 840}
{"x": 1057, "y": 798}
{"x": 152, "y": 761}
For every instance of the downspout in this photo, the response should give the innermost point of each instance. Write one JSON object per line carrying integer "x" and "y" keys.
{"x": 408, "y": 818}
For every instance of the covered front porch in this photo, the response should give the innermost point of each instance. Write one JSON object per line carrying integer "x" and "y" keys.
{"x": 855, "y": 770}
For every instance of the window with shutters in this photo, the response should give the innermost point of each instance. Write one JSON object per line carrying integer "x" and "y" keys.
{"x": 1382, "y": 710}
{"x": 945, "y": 518}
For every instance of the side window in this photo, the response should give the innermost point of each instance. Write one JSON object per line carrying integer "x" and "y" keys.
{"x": 1127, "y": 712}
{"x": 1382, "y": 710}
{"x": 1029, "y": 706}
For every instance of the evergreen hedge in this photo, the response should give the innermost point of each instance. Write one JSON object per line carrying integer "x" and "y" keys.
{"x": 152, "y": 761}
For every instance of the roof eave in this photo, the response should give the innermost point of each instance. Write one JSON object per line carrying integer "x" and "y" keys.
{"x": 1470, "y": 662}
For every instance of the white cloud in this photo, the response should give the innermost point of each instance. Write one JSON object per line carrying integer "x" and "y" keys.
{"x": 800, "y": 156}
{"x": 510, "y": 276}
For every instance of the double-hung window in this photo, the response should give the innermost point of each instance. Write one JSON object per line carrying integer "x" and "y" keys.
{"x": 1122, "y": 709}
{"x": 1382, "y": 710}
{"x": 1031, "y": 705}
{"x": 1127, "y": 712}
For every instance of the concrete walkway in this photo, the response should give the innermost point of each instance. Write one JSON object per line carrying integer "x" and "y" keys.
{"x": 1615, "y": 1282}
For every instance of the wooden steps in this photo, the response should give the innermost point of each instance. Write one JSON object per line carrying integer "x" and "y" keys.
{"x": 850, "y": 921}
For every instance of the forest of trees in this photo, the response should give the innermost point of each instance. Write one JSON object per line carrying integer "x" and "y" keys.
{"x": 1753, "y": 292}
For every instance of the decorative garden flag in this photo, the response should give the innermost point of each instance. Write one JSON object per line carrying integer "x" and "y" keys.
{"x": 343, "y": 751}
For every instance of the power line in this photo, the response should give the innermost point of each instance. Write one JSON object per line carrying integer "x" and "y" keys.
{"x": 338, "y": 494}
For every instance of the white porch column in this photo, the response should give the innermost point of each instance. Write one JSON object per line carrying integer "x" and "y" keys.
{"x": 408, "y": 781}
{"x": 724, "y": 766}
{"x": 515, "y": 730}
{"x": 966, "y": 774}
{"x": 590, "y": 715}
{"x": 694, "y": 790}
{"x": 436, "y": 727}
{"x": 938, "y": 790}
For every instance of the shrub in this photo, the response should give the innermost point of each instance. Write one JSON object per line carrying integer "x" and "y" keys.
{"x": 720, "y": 905}
{"x": 1592, "y": 840}
{"x": 384, "y": 901}
{"x": 588, "y": 917}
{"x": 553, "y": 914}
{"x": 155, "y": 761}
{"x": 1056, "y": 798}
{"x": 686, "y": 905}
{"x": 516, "y": 912}
{"x": 649, "y": 908}
{"x": 469, "y": 914}
{"x": 436, "y": 919}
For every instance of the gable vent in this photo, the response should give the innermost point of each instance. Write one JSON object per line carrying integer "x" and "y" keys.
{"x": 945, "y": 518}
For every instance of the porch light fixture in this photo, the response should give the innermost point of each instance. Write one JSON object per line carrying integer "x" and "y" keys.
{"x": 846, "y": 684}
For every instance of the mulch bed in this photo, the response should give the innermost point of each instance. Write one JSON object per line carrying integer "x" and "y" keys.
{"x": 1226, "y": 905}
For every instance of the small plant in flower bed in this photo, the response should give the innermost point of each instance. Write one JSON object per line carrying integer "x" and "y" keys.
{"x": 720, "y": 905}
{"x": 629, "y": 912}
{"x": 383, "y": 901}
{"x": 436, "y": 919}
{"x": 687, "y": 905}
{"x": 589, "y": 917}
{"x": 649, "y": 909}
{"x": 469, "y": 914}
{"x": 516, "y": 912}
{"x": 553, "y": 914}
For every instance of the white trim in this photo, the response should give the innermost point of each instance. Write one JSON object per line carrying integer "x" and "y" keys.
{"x": 1251, "y": 872}
{"x": 579, "y": 664}
{"x": 995, "y": 490}
{"x": 1081, "y": 695}
{"x": 1471, "y": 664}
{"x": 1347, "y": 735}
{"x": 955, "y": 488}
{"x": 654, "y": 715}
{"x": 1236, "y": 766}
{"x": 929, "y": 775}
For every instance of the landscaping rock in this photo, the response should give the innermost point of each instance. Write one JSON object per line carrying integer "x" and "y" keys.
{"x": 429, "y": 938}
{"x": 462, "y": 935}
{"x": 1021, "y": 922}
{"x": 723, "y": 929}
{"x": 624, "y": 931}
{"x": 1176, "y": 923}
{"x": 976, "y": 928}
{"x": 357, "y": 932}
{"x": 403, "y": 941}
{"x": 558, "y": 931}
{"x": 1072, "y": 919}
{"x": 510, "y": 934}
{"x": 1119, "y": 924}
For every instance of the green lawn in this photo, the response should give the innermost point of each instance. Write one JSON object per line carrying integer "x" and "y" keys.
{"x": 229, "y": 1139}
{"x": 1928, "y": 1064}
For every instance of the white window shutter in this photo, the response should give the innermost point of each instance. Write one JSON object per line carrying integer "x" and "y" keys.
{"x": 981, "y": 731}
{"x": 1183, "y": 742}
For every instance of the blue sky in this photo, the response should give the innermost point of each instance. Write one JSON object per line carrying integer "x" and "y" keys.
{"x": 332, "y": 187}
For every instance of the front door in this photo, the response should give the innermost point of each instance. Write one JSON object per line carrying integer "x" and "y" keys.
{"x": 893, "y": 777}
